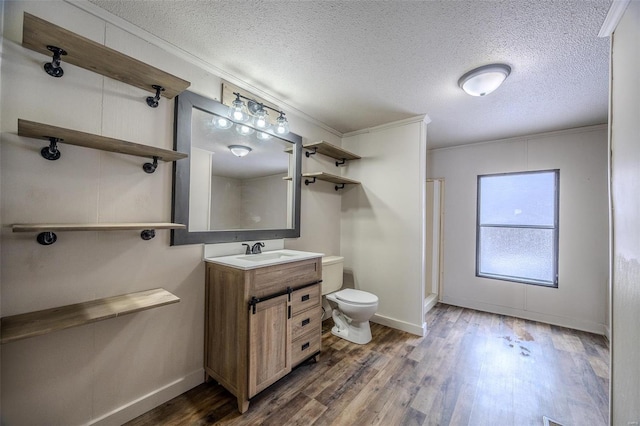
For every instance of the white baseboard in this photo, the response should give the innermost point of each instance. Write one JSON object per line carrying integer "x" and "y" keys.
{"x": 418, "y": 330}
{"x": 607, "y": 334}
{"x": 430, "y": 301}
{"x": 576, "y": 324}
{"x": 135, "y": 408}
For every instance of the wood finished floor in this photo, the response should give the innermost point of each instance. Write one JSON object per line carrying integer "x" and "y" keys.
{"x": 472, "y": 368}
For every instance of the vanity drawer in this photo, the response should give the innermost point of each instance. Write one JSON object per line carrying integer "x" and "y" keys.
{"x": 305, "y": 298}
{"x": 305, "y": 346}
{"x": 276, "y": 278}
{"x": 305, "y": 321}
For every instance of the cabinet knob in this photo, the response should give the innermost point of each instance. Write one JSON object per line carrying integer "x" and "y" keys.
{"x": 305, "y": 346}
{"x": 305, "y": 321}
{"x": 304, "y": 298}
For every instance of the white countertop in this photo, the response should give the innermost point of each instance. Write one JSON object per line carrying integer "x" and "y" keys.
{"x": 267, "y": 258}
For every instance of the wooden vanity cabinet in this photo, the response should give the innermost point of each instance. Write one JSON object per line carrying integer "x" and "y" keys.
{"x": 260, "y": 323}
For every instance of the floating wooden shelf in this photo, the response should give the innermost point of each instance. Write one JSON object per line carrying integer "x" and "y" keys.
{"x": 330, "y": 150}
{"x": 325, "y": 148}
{"x": 338, "y": 180}
{"x": 42, "y": 227}
{"x": 36, "y": 130}
{"x": 37, "y": 34}
{"x": 22, "y": 326}
{"x": 47, "y": 231}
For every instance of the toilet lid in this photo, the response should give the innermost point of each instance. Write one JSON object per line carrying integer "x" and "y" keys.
{"x": 356, "y": 296}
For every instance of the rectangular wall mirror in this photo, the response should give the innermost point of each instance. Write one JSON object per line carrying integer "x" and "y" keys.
{"x": 238, "y": 184}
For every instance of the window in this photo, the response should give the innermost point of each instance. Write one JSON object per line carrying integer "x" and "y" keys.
{"x": 517, "y": 227}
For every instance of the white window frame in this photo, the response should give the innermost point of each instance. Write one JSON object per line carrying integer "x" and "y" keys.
{"x": 555, "y": 228}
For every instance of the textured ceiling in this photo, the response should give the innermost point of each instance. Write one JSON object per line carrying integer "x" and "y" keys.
{"x": 358, "y": 64}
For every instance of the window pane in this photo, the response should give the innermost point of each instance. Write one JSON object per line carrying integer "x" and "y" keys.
{"x": 518, "y": 199}
{"x": 517, "y": 252}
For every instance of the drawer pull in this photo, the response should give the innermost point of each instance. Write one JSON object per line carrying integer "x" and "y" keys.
{"x": 304, "y": 298}
{"x": 306, "y": 321}
{"x": 305, "y": 346}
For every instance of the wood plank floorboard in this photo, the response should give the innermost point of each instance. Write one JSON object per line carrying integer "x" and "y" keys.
{"x": 472, "y": 368}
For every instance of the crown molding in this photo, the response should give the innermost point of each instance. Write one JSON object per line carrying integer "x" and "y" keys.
{"x": 127, "y": 26}
{"x": 585, "y": 129}
{"x": 418, "y": 118}
{"x": 613, "y": 17}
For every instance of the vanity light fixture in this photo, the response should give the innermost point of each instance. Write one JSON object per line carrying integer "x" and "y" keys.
{"x": 485, "y": 79}
{"x": 258, "y": 112}
{"x": 239, "y": 150}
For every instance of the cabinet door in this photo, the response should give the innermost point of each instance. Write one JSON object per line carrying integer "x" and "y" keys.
{"x": 269, "y": 343}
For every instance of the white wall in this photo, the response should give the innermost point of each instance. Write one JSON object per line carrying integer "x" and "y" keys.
{"x": 433, "y": 238}
{"x": 226, "y": 201}
{"x": 581, "y": 297}
{"x": 383, "y": 220}
{"x": 625, "y": 179}
{"x": 113, "y": 370}
{"x": 320, "y": 215}
{"x": 262, "y": 205}
{"x": 199, "y": 189}
{"x": 258, "y": 203}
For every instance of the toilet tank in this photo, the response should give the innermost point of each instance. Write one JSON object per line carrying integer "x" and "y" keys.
{"x": 331, "y": 273}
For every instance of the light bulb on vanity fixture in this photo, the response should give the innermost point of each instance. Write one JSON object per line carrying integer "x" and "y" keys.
{"x": 263, "y": 136}
{"x": 282, "y": 125}
{"x": 244, "y": 130}
{"x": 238, "y": 110}
{"x": 222, "y": 123}
{"x": 485, "y": 79}
{"x": 239, "y": 150}
{"x": 261, "y": 119}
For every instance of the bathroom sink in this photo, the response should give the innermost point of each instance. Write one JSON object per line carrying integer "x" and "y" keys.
{"x": 267, "y": 258}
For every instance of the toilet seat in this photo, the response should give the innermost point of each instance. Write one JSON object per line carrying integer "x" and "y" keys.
{"x": 356, "y": 297}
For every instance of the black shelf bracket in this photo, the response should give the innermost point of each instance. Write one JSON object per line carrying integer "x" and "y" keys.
{"x": 148, "y": 234}
{"x": 151, "y": 167}
{"x": 53, "y": 68}
{"x": 51, "y": 152}
{"x": 341, "y": 186}
{"x": 153, "y": 101}
{"x": 341, "y": 162}
{"x": 309, "y": 153}
{"x": 46, "y": 238}
{"x": 308, "y": 181}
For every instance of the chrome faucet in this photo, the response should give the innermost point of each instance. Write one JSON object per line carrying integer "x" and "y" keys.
{"x": 256, "y": 249}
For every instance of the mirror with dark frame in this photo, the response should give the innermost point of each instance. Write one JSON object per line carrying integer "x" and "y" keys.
{"x": 238, "y": 184}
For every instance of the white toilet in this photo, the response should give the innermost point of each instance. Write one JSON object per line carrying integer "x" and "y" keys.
{"x": 355, "y": 307}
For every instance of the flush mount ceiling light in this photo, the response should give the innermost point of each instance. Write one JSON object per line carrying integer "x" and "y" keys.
{"x": 238, "y": 111}
{"x": 239, "y": 150}
{"x": 484, "y": 80}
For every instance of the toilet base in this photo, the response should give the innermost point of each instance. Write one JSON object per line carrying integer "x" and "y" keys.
{"x": 359, "y": 333}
